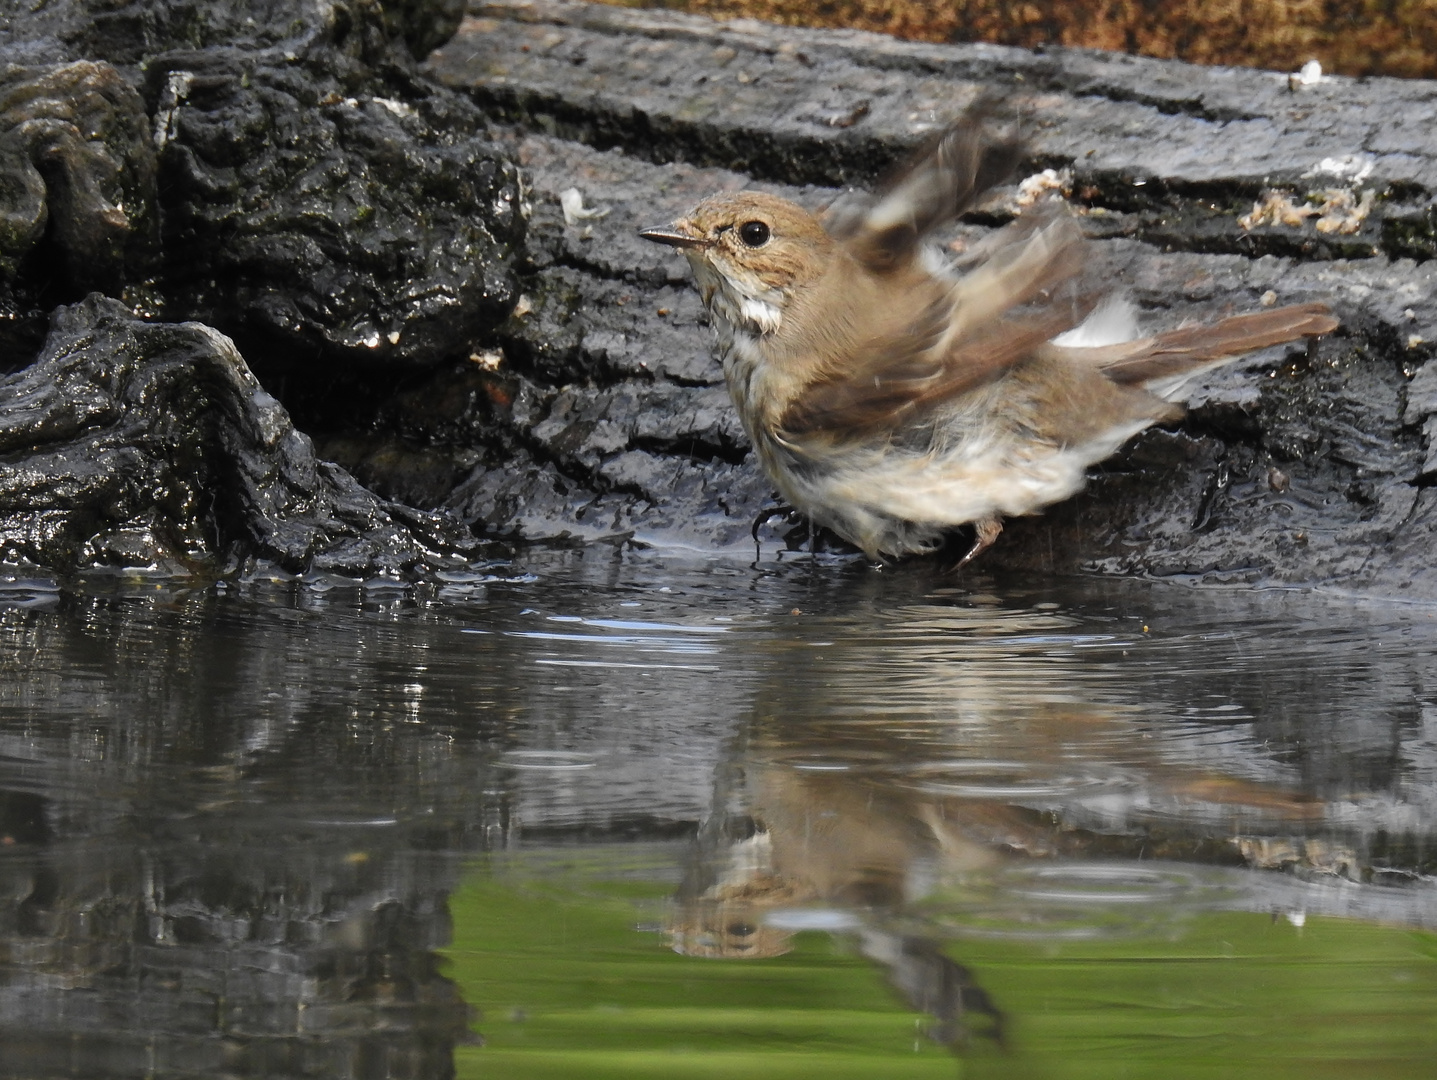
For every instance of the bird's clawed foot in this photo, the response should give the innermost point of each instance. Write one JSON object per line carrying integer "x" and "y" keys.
{"x": 790, "y": 517}
{"x": 988, "y": 530}
{"x": 788, "y": 513}
{"x": 800, "y": 533}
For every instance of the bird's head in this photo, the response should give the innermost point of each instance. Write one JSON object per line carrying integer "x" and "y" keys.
{"x": 750, "y": 252}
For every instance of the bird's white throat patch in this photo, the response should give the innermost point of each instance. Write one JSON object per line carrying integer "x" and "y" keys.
{"x": 765, "y": 316}
{"x": 739, "y": 297}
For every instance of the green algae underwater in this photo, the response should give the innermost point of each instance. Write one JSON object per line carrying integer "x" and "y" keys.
{"x": 569, "y": 982}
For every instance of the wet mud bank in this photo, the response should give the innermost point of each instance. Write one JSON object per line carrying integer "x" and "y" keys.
{"x": 429, "y": 271}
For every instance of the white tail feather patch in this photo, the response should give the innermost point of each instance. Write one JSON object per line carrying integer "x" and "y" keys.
{"x": 1113, "y": 322}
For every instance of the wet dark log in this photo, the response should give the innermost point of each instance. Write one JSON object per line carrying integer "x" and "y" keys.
{"x": 280, "y": 174}
{"x": 324, "y": 220}
{"x": 77, "y": 193}
{"x": 320, "y": 203}
{"x": 150, "y": 444}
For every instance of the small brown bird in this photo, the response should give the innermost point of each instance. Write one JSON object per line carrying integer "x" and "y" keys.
{"x": 892, "y": 398}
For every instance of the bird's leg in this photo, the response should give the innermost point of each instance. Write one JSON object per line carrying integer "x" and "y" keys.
{"x": 765, "y": 516}
{"x": 988, "y": 530}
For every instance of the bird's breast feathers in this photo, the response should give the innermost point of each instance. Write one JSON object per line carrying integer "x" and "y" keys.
{"x": 898, "y": 500}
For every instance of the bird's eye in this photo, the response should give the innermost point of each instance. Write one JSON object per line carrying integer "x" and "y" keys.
{"x": 753, "y": 233}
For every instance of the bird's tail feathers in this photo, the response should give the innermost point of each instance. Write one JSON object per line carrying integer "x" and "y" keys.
{"x": 1165, "y": 362}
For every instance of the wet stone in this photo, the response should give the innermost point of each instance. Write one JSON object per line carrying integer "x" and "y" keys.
{"x": 77, "y": 172}
{"x": 321, "y": 223}
{"x": 150, "y": 444}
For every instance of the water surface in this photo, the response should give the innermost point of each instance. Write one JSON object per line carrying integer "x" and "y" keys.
{"x": 608, "y": 813}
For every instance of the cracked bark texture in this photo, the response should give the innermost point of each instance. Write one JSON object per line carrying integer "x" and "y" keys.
{"x": 604, "y": 412}
{"x": 332, "y": 208}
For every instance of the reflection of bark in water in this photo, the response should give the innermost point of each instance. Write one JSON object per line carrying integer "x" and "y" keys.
{"x": 201, "y": 875}
{"x": 228, "y": 958}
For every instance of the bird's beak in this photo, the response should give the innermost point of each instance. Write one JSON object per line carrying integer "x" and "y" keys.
{"x": 680, "y": 235}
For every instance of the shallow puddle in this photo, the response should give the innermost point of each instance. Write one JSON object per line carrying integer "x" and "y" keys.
{"x": 607, "y": 814}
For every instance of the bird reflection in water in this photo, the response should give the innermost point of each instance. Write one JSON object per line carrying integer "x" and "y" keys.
{"x": 859, "y": 821}
{"x": 861, "y": 852}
